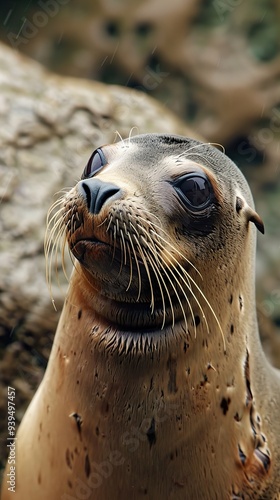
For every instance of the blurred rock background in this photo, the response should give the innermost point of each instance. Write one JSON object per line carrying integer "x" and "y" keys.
{"x": 214, "y": 63}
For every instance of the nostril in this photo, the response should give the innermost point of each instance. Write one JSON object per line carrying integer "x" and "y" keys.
{"x": 87, "y": 194}
{"x": 96, "y": 193}
{"x": 102, "y": 196}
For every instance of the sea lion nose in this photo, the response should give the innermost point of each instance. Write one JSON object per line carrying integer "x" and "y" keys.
{"x": 97, "y": 192}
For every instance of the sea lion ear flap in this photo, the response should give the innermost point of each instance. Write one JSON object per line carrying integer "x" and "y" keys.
{"x": 255, "y": 218}
{"x": 251, "y": 215}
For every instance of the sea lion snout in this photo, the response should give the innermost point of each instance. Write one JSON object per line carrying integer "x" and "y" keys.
{"x": 96, "y": 193}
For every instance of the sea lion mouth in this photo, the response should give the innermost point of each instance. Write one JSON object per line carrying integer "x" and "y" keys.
{"x": 135, "y": 304}
{"x": 88, "y": 243}
{"x": 139, "y": 317}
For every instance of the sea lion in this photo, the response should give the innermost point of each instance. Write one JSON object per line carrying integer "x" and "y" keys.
{"x": 157, "y": 386}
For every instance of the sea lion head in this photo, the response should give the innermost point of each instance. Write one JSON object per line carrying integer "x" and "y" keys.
{"x": 158, "y": 225}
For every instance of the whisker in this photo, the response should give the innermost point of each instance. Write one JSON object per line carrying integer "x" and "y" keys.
{"x": 188, "y": 285}
{"x": 207, "y": 302}
{"x": 103, "y": 222}
{"x": 175, "y": 290}
{"x": 151, "y": 216}
{"x": 191, "y": 148}
{"x": 168, "y": 242}
{"x": 217, "y": 144}
{"x": 190, "y": 280}
{"x": 142, "y": 255}
{"x": 178, "y": 253}
{"x": 130, "y": 133}
{"x": 114, "y": 242}
{"x": 50, "y": 251}
{"x": 109, "y": 224}
{"x": 63, "y": 246}
{"x": 138, "y": 268}
{"x": 122, "y": 255}
{"x": 130, "y": 269}
{"x": 124, "y": 245}
{"x": 119, "y": 136}
{"x": 158, "y": 275}
{"x": 182, "y": 289}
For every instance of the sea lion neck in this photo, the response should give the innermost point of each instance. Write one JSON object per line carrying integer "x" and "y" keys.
{"x": 166, "y": 401}
{"x": 206, "y": 343}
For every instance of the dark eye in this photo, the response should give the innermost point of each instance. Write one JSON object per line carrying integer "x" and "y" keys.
{"x": 195, "y": 190}
{"x": 96, "y": 162}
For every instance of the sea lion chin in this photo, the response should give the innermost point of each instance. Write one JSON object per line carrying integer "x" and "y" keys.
{"x": 157, "y": 385}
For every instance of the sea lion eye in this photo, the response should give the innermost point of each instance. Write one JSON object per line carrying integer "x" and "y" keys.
{"x": 195, "y": 191}
{"x": 96, "y": 162}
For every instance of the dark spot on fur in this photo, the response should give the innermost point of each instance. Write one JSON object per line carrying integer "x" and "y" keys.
{"x": 143, "y": 491}
{"x": 231, "y": 299}
{"x": 172, "y": 368}
{"x": 225, "y": 405}
{"x": 78, "y": 419}
{"x": 263, "y": 438}
{"x": 242, "y": 455}
{"x": 97, "y": 432}
{"x": 186, "y": 346}
{"x": 151, "y": 433}
{"x": 231, "y": 329}
{"x": 204, "y": 381}
{"x": 105, "y": 408}
{"x": 237, "y": 417}
{"x": 69, "y": 484}
{"x": 87, "y": 466}
{"x": 197, "y": 320}
{"x": 80, "y": 314}
{"x": 240, "y": 302}
{"x": 77, "y": 382}
{"x": 249, "y": 395}
{"x": 68, "y": 458}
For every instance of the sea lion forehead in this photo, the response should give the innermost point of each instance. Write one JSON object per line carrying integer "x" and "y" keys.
{"x": 207, "y": 155}
{"x": 151, "y": 150}
{"x": 162, "y": 156}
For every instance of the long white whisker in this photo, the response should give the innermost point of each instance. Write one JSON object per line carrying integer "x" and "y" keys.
{"x": 147, "y": 271}
{"x": 138, "y": 268}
